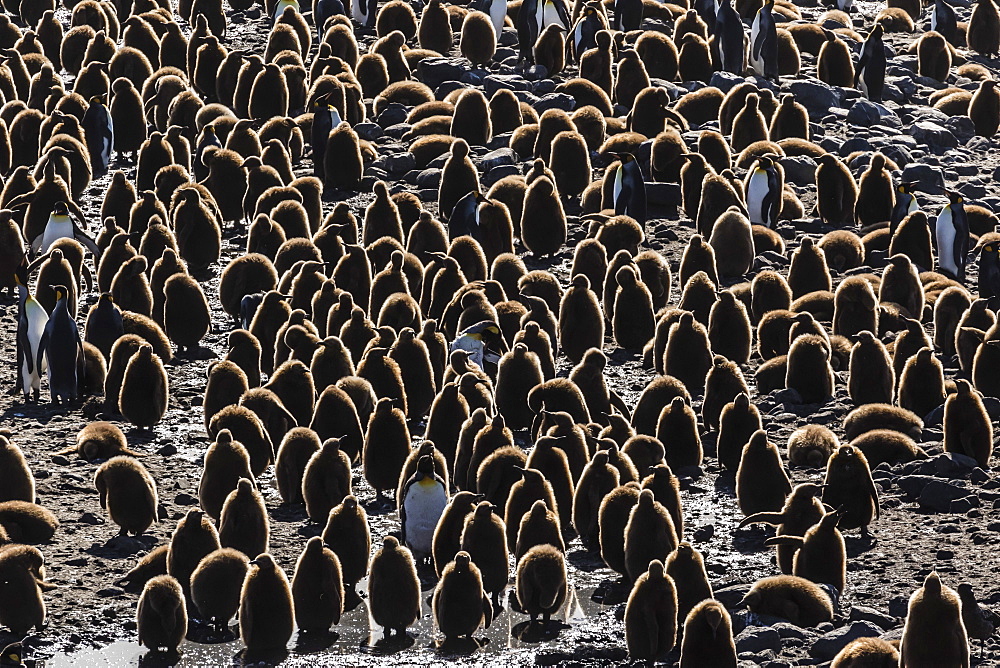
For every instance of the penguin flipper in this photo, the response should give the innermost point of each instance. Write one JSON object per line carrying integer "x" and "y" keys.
{"x": 873, "y": 493}
{"x": 562, "y": 13}
{"x": 785, "y": 540}
{"x": 88, "y": 277}
{"x": 619, "y": 403}
{"x": 42, "y": 343}
{"x": 487, "y": 611}
{"x": 24, "y": 349}
{"x": 761, "y": 518}
{"x": 82, "y": 237}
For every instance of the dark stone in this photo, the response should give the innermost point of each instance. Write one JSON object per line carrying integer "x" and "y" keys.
{"x": 800, "y": 170}
{"x": 929, "y": 179}
{"x": 934, "y": 136}
{"x": 866, "y": 113}
{"x": 393, "y": 114}
{"x": 429, "y": 178}
{"x": 859, "y": 613}
{"x": 827, "y": 646}
{"x": 816, "y": 96}
{"x": 953, "y": 465}
{"x": 499, "y": 172}
{"x": 555, "y": 101}
{"x": 447, "y": 88}
{"x": 937, "y": 495}
{"x": 435, "y": 71}
{"x": 501, "y": 156}
{"x": 495, "y": 82}
{"x": 757, "y": 639}
{"x": 962, "y": 127}
{"x": 368, "y": 130}
{"x": 725, "y": 81}
{"x": 399, "y": 163}
{"x": 853, "y": 145}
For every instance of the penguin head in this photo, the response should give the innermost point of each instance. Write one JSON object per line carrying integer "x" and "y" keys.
{"x": 350, "y": 502}
{"x": 989, "y": 249}
{"x": 462, "y": 561}
{"x": 390, "y": 543}
{"x": 60, "y": 291}
{"x": 807, "y": 490}
{"x": 954, "y": 197}
{"x": 60, "y": 210}
{"x": 425, "y": 466}
{"x": 12, "y": 654}
{"x": 264, "y": 562}
{"x": 877, "y": 31}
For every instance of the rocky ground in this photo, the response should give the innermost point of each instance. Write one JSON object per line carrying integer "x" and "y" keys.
{"x": 937, "y": 514}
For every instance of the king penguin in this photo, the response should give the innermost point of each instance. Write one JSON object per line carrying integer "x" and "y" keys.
{"x": 952, "y": 233}
{"x": 99, "y": 132}
{"x": 31, "y": 322}
{"x": 61, "y": 225}
{"x": 906, "y": 204}
{"x": 870, "y": 73}
{"x": 527, "y": 30}
{"x": 279, "y": 9}
{"x": 422, "y": 502}
{"x": 585, "y": 31}
{"x": 325, "y": 119}
{"x": 61, "y": 344}
{"x": 764, "y": 192}
{"x": 764, "y": 43}
{"x": 363, "y": 11}
{"x": 630, "y": 189}
{"x": 944, "y": 21}
{"x": 628, "y": 14}
{"x": 730, "y": 38}
{"x": 989, "y": 271}
{"x": 464, "y": 218}
{"x": 497, "y": 11}
{"x": 552, "y": 12}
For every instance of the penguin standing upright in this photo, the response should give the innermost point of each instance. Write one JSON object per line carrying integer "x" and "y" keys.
{"x": 906, "y": 204}
{"x": 99, "y": 132}
{"x": 325, "y": 119}
{"x": 989, "y": 271}
{"x": 497, "y": 11}
{"x": 527, "y": 29}
{"x": 870, "y": 74}
{"x": 585, "y": 31}
{"x": 730, "y": 39}
{"x": 61, "y": 225}
{"x": 552, "y": 12}
{"x": 764, "y": 44}
{"x": 422, "y": 502}
{"x": 31, "y": 322}
{"x": 763, "y": 192}
{"x": 363, "y": 11}
{"x": 629, "y": 193}
{"x": 944, "y": 21}
{"x": 464, "y": 218}
{"x": 628, "y": 14}
{"x": 952, "y": 233}
{"x": 62, "y": 345}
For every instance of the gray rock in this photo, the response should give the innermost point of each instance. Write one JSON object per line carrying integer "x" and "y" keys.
{"x": 867, "y": 113}
{"x": 929, "y": 179}
{"x": 953, "y": 465}
{"x": 429, "y": 178}
{"x": 962, "y": 127}
{"x": 938, "y": 495}
{"x": 435, "y": 71}
{"x": 397, "y": 130}
{"x": 393, "y": 114}
{"x": 501, "y": 156}
{"x": 827, "y": 646}
{"x": 473, "y": 78}
{"x": 368, "y": 130}
{"x": 860, "y": 613}
{"x": 964, "y": 505}
{"x": 853, "y": 145}
{"x": 725, "y": 81}
{"x": 816, "y": 96}
{"x": 934, "y": 136}
{"x": 899, "y": 605}
{"x": 495, "y": 82}
{"x": 800, "y": 169}
{"x": 788, "y": 630}
{"x": 399, "y": 163}
{"x": 543, "y": 87}
{"x": 499, "y": 172}
{"x": 448, "y": 87}
{"x": 730, "y": 596}
{"x": 757, "y": 639}
{"x": 913, "y": 485}
{"x": 555, "y": 101}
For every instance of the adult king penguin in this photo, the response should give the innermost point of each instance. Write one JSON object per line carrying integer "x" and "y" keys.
{"x": 952, "y": 233}
{"x": 497, "y": 11}
{"x": 31, "y": 322}
{"x": 730, "y": 38}
{"x": 764, "y": 43}
{"x": 363, "y": 11}
{"x": 628, "y": 14}
{"x": 585, "y": 31}
{"x": 629, "y": 194}
{"x": 421, "y": 504}
{"x": 100, "y": 134}
{"x": 944, "y": 21}
{"x": 764, "y": 192}
{"x": 62, "y": 345}
{"x": 325, "y": 119}
{"x": 906, "y": 204}
{"x": 527, "y": 29}
{"x": 61, "y": 225}
{"x": 989, "y": 272}
{"x": 870, "y": 74}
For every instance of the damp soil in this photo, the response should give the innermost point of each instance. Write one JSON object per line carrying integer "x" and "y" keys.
{"x": 91, "y": 617}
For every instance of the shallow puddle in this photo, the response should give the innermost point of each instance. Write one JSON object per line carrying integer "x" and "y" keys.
{"x": 358, "y": 640}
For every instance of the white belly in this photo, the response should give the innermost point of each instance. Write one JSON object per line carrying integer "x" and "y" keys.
{"x": 756, "y": 191}
{"x": 618, "y": 183}
{"x": 54, "y": 231}
{"x": 424, "y": 505}
{"x": 498, "y": 11}
{"x": 944, "y": 230}
{"x": 37, "y": 318}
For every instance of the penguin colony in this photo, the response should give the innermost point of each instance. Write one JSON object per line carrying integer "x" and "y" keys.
{"x": 355, "y": 204}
